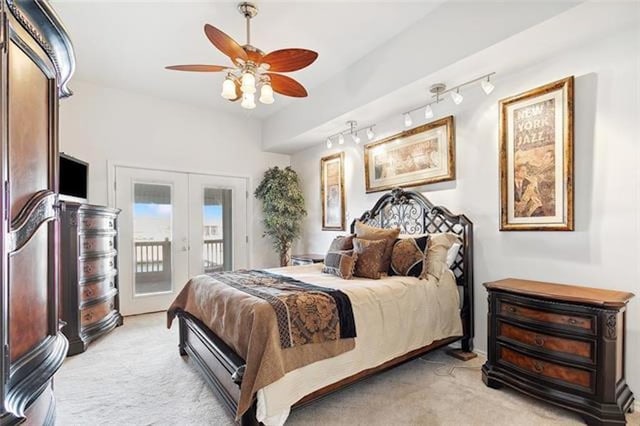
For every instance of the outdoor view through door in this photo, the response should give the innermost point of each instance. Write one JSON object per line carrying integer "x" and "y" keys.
{"x": 217, "y": 249}
{"x": 152, "y": 236}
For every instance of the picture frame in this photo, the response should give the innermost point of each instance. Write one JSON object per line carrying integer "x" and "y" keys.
{"x": 415, "y": 157}
{"x": 332, "y": 192}
{"x": 536, "y": 159}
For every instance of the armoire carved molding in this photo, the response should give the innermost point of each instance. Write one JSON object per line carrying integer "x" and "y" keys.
{"x": 36, "y": 63}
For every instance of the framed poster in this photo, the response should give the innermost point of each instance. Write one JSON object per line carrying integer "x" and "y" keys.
{"x": 332, "y": 192}
{"x": 418, "y": 156}
{"x": 536, "y": 159}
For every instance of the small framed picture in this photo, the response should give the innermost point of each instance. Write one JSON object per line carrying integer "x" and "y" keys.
{"x": 415, "y": 157}
{"x": 332, "y": 192}
{"x": 536, "y": 159}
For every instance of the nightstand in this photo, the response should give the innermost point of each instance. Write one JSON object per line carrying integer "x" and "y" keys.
{"x": 306, "y": 259}
{"x": 561, "y": 343}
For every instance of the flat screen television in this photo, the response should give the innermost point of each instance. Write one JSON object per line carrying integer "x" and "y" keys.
{"x": 73, "y": 177}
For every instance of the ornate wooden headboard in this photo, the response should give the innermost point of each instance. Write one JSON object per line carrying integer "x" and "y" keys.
{"x": 414, "y": 214}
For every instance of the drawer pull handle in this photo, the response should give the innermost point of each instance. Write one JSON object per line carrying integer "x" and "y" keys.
{"x": 538, "y": 367}
{"x": 111, "y": 263}
{"x": 111, "y": 284}
{"x": 511, "y": 309}
{"x": 539, "y": 341}
{"x": 573, "y": 321}
{"x": 88, "y": 292}
{"x": 88, "y": 316}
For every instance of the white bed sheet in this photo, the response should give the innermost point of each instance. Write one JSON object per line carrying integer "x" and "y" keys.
{"x": 393, "y": 316}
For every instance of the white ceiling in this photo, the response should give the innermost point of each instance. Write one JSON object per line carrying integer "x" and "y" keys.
{"x": 126, "y": 45}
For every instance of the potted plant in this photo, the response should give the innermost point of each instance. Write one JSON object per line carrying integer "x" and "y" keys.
{"x": 283, "y": 208}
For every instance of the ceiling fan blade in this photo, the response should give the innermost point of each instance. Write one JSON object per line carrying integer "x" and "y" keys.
{"x": 287, "y": 60}
{"x": 197, "y": 68}
{"x": 224, "y": 43}
{"x": 287, "y": 86}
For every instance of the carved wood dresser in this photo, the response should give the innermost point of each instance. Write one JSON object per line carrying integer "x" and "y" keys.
{"x": 560, "y": 343}
{"x": 88, "y": 252}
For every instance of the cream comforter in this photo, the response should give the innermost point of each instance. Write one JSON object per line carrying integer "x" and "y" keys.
{"x": 393, "y": 315}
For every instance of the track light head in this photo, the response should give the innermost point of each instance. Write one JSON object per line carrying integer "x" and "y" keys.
{"x": 370, "y": 134}
{"x": 329, "y": 143}
{"x": 407, "y": 119}
{"x": 487, "y": 87}
{"x": 340, "y": 139}
{"x": 355, "y": 138}
{"x": 428, "y": 112}
{"x": 457, "y": 97}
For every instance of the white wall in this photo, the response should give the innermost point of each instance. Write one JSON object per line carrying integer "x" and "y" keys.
{"x": 604, "y": 250}
{"x": 99, "y": 125}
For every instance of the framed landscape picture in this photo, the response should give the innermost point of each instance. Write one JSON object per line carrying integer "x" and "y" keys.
{"x": 536, "y": 159}
{"x": 415, "y": 157}
{"x": 332, "y": 192}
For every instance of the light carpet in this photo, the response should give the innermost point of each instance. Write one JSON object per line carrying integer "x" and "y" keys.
{"x": 135, "y": 376}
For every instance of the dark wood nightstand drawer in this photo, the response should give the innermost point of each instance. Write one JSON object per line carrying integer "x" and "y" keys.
{"x": 554, "y": 345}
{"x": 554, "y": 372}
{"x": 551, "y": 317}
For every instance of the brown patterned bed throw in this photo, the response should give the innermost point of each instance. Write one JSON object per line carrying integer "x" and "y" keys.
{"x": 306, "y": 313}
{"x": 275, "y": 323}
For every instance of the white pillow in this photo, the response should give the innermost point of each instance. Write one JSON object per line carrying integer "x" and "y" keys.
{"x": 452, "y": 253}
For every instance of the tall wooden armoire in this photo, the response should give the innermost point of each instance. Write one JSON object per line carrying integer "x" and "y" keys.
{"x": 36, "y": 62}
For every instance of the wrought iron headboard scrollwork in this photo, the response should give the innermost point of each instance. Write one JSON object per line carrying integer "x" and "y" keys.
{"x": 414, "y": 214}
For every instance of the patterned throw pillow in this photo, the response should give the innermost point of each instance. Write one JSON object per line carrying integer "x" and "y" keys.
{"x": 367, "y": 232}
{"x": 340, "y": 263}
{"x": 342, "y": 242}
{"x": 409, "y": 256}
{"x": 370, "y": 257}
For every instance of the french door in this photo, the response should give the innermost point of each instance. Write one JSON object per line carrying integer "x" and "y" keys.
{"x": 172, "y": 226}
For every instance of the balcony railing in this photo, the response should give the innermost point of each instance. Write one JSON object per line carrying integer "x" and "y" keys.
{"x": 153, "y": 259}
{"x": 213, "y": 255}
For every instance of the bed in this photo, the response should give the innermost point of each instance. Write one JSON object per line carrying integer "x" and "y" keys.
{"x": 411, "y": 316}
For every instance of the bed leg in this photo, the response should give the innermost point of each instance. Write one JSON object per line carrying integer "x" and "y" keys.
{"x": 249, "y": 417}
{"x": 465, "y": 353}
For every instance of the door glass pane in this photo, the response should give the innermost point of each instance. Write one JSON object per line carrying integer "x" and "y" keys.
{"x": 216, "y": 232}
{"x": 152, "y": 237}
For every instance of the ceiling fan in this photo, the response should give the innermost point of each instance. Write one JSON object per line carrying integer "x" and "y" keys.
{"x": 252, "y": 67}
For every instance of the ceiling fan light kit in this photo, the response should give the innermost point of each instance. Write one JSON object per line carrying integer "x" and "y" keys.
{"x": 252, "y": 69}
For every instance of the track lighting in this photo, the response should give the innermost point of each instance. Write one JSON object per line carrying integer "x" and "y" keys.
{"x": 457, "y": 97}
{"x": 487, "y": 86}
{"x": 428, "y": 112}
{"x": 229, "y": 89}
{"x": 370, "y": 134}
{"x": 407, "y": 120}
{"x": 352, "y": 130}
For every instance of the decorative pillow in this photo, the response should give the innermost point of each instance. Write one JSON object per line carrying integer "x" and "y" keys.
{"x": 409, "y": 256}
{"x": 340, "y": 263}
{"x": 452, "y": 254}
{"x": 366, "y": 232}
{"x": 342, "y": 242}
{"x": 370, "y": 257}
{"x": 439, "y": 245}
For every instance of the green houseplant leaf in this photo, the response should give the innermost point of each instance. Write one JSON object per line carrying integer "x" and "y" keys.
{"x": 282, "y": 207}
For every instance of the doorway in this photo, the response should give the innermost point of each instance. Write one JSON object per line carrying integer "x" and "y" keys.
{"x": 173, "y": 226}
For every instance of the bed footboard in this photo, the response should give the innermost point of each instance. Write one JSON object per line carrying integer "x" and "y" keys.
{"x": 221, "y": 367}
